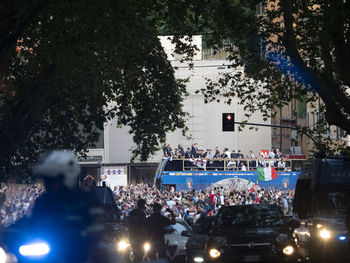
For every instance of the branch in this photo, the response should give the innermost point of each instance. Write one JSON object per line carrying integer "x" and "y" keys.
{"x": 328, "y": 90}
{"x": 337, "y": 30}
{"x": 14, "y": 33}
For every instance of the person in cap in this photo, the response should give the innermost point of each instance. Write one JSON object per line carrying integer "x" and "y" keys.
{"x": 156, "y": 223}
{"x": 137, "y": 229}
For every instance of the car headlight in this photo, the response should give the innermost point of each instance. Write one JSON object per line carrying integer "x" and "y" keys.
{"x": 3, "y": 256}
{"x": 198, "y": 259}
{"x": 288, "y": 250}
{"x": 214, "y": 253}
{"x": 325, "y": 234}
{"x": 34, "y": 249}
{"x": 122, "y": 245}
{"x": 147, "y": 246}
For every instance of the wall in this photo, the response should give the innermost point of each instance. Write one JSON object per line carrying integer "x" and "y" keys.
{"x": 205, "y": 122}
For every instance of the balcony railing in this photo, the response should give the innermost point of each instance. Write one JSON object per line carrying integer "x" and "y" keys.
{"x": 231, "y": 164}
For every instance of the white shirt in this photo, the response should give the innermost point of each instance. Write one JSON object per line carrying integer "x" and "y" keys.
{"x": 222, "y": 199}
{"x": 281, "y": 165}
{"x": 171, "y": 203}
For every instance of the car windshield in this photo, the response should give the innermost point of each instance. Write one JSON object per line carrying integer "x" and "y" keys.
{"x": 250, "y": 216}
{"x": 203, "y": 225}
{"x": 333, "y": 200}
{"x": 104, "y": 196}
{"x": 178, "y": 228}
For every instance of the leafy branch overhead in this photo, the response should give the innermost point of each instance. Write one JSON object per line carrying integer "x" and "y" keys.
{"x": 67, "y": 61}
{"x": 63, "y": 62}
{"x": 296, "y": 50}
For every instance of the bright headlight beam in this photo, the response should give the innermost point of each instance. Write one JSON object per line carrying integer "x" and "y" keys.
{"x": 3, "y": 256}
{"x": 288, "y": 250}
{"x": 198, "y": 259}
{"x": 147, "y": 247}
{"x": 35, "y": 249}
{"x": 325, "y": 234}
{"x": 122, "y": 245}
{"x": 214, "y": 253}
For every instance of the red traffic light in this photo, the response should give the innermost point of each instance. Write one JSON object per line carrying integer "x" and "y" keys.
{"x": 228, "y": 122}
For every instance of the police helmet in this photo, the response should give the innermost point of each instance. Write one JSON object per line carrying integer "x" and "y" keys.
{"x": 58, "y": 163}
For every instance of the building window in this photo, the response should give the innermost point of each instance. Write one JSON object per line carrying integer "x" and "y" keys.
{"x": 313, "y": 120}
{"x": 308, "y": 119}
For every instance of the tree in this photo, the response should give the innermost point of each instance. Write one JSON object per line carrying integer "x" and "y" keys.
{"x": 295, "y": 50}
{"x": 63, "y": 62}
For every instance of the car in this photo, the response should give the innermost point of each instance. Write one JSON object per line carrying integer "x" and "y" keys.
{"x": 105, "y": 196}
{"x": 195, "y": 246}
{"x": 321, "y": 201}
{"x": 176, "y": 237}
{"x": 251, "y": 233}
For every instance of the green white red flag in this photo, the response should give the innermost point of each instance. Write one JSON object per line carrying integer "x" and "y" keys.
{"x": 266, "y": 174}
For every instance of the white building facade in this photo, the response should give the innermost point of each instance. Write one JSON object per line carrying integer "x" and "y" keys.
{"x": 204, "y": 123}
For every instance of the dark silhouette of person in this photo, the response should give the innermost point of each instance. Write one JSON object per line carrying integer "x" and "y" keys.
{"x": 155, "y": 224}
{"x": 137, "y": 230}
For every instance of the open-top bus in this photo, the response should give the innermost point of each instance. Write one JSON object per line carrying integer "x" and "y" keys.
{"x": 185, "y": 174}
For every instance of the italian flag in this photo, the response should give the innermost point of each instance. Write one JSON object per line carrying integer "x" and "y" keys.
{"x": 266, "y": 174}
{"x": 250, "y": 186}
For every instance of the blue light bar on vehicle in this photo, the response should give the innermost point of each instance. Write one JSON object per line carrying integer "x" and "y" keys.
{"x": 342, "y": 238}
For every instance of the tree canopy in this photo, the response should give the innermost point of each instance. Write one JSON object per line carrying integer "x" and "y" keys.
{"x": 63, "y": 62}
{"x": 295, "y": 50}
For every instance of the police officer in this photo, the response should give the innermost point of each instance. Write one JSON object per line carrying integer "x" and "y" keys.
{"x": 137, "y": 230}
{"x": 155, "y": 224}
{"x": 70, "y": 215}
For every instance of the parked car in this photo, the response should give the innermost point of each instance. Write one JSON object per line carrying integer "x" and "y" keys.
{"x": 251, "y": 233}
{"x": 176, "y": 237}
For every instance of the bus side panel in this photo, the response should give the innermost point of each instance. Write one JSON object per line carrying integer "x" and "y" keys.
{"x": 200, "y": 180}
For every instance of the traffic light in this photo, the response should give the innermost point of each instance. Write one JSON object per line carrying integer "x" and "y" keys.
{"x": 228, "y": 122}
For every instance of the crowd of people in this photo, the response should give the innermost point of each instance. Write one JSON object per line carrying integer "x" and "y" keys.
{"x": 216, "y": 160}
{"x": 194, "y": 152}
{"x": 17, "y": 200}
{"x": 211, "y": 160}
{"x": 190, "y": 205}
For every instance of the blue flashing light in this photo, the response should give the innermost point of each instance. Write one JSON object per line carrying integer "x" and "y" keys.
{"x": 34, "y": 249}
{"x": 342, "y": 238}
